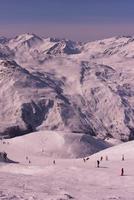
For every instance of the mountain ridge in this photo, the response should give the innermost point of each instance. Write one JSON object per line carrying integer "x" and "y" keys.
{"x": 65, "y": 85}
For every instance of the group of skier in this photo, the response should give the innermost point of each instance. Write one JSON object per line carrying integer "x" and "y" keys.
{"x": 106, "y": 158}
{"x": 101, "y": 158}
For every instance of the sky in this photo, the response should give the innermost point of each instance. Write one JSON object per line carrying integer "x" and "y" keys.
{"x": 82, "y": 20}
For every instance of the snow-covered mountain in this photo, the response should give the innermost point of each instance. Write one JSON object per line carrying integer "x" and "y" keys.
{"x": 62, "y": 85}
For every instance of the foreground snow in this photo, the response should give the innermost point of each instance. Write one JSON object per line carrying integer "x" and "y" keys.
{"x": 69, "y": 178}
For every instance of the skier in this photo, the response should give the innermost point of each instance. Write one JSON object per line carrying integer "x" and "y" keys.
{"x": 42, "y": 150}
{"x": 54, "y": 162}
{"x": 107, "y": 158}
{"x": 84, "y": 159}
{"x": 101, "y": 158}
{"x": 98, "y": 163}
{"x": 122, "y": 172}
{"x": 123, "y": 158}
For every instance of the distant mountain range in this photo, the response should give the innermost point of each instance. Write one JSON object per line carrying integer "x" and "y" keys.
{"x": 53, "y": 84}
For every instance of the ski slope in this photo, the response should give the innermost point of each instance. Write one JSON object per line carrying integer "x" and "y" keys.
{"x": 67, "y": 178}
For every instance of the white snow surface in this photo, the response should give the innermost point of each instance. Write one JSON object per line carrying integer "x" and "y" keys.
{"x": 67, "y": 178}
{"x": 53, "y": 144}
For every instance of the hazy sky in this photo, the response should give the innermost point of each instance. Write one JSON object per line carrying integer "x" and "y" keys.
{"x": 74, "y": 19}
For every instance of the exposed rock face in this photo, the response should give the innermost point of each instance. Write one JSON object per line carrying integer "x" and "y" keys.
{"x": 52, "y": 84}
{"x": 4, "y": 158}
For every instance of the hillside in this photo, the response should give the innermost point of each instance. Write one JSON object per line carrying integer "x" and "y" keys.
{"x": 67, "y": 178}
{"x": 62, "y": 85}
{"x": 52, "y": 144}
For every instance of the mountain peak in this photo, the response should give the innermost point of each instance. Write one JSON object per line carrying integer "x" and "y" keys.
{"x": 26, "y": 36}
{"x": 25, "y": 39}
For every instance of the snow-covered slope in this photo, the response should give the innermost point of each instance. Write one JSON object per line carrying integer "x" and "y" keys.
{"x": 42, "y": 178}
{"x": 53, "y": 84}
{"x": 51, "y": 144}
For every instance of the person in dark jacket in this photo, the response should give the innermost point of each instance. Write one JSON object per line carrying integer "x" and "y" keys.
{"x": 54, "y": 162}
{"x": 98, "y": 163}
{"x": 123, "y": 158}
{"x": 84, "y": 159}
{"x": 122, "y": 172}
{"x": 101, "y": 158}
